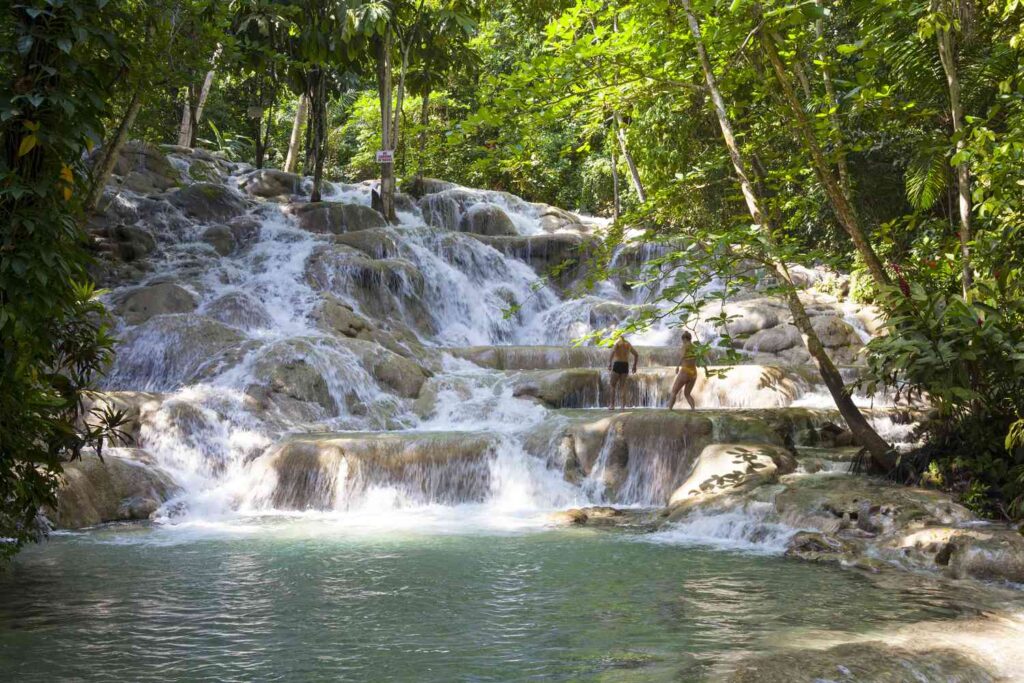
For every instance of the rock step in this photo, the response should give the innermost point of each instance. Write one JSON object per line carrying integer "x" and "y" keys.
{"x": 739, "y": 386}
{"x": 324, "y": 471}
{"x": 556, "y": 357}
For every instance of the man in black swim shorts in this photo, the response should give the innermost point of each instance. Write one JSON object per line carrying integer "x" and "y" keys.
{"x": 618, "y": 365}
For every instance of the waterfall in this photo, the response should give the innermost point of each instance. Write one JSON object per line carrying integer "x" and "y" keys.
{"x": 317, "y": 360}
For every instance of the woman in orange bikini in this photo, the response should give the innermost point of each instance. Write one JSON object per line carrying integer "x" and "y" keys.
{"x": 686, "y": 373}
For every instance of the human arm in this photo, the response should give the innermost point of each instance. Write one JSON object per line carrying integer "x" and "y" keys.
{"x": 636, "y": 358}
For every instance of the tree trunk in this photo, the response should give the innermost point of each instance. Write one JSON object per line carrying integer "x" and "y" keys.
{"x": 841, "y": 205}
{"x": 833, "y": 104}
{"x": 291, "y": 162}
{"x": 620, "y": 133}
{"x": 882, "y": 455}
{"x": 421, "y": 153}
{"x": 108, "y": 159}
{"x": 192, "y": 114}
{"x": 616, "y": 205}
{"x": 947, "y": 55}
{"x": 318, "y": 122}
{"x": 185, "y": 128}
{"x": 387, "y": 170}
{"x": 204, "y": 93}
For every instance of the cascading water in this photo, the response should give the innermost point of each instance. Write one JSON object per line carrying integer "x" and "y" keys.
{"x": 292, "y": 369}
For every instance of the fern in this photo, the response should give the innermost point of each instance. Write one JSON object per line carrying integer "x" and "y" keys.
{"x": 927, "y": 177}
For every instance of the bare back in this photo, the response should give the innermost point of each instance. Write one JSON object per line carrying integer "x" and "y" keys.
{"x": 621, "y": 351}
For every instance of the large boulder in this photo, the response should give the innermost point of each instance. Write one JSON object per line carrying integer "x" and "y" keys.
{"x": 487, "y": 219}
{"x": 167, "y": 351}
{"x": 830, "y": 503}
{"x": 561, "y": 251}
{"x": 239, "y": 309}
{"x": 341, "y": 320}
{"x": 143, "y": 168}
{"x": 441, "y": 210}
{"x": 221, "y": 238}
{"x": 121, "y": 486}
{"x": 390, "y": 289}
{"x": 208, "y": 202}
{"x": 377, "y": 243}
{"x": 403, "y": 376}
{"x": 420, "y": 186}
{"x": 730, "y": 468}
{"x": 271, "y": 183}
{"x": 553, "y": 219}
{"x": 866, "y": 662}
{"x": 334, "y": 217}
{"x": 297, "y": 379}
{"x": 135, "y": 407}
{"x": 142, "y": 303}
{"x": 833, "y": 331}
{"x": 774, "y": 339}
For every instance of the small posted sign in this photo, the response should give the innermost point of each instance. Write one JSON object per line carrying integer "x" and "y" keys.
{"x": 385, "y": 156}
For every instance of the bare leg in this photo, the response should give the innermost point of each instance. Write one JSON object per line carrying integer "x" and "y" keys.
{"x": 677, "y": 386}
{"x": 686, "y": 394}
{"x": 614, "y": 387}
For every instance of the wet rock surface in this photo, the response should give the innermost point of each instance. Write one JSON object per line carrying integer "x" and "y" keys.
{"x": 867, "y": 662}
{"x": 120, "y": 487}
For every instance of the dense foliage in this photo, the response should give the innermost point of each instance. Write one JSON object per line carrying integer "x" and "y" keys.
{"x": 883, "y": 138}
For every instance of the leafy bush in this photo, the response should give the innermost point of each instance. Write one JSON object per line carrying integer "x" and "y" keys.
{"x": 967, "y": 359}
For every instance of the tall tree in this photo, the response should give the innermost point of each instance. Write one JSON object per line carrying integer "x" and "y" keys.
{"x": 866, "y": 436}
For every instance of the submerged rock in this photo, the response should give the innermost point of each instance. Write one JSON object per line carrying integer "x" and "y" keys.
{"x": 121, "y": 486}
{"x": 867, "y": 662}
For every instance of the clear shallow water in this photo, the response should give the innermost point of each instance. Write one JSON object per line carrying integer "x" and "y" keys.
{"x": 300, "y": 600}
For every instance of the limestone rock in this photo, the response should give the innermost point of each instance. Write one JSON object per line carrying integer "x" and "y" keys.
{"x": 833, "y": 331}
{"x": 865, "y": 662}
{"x": 727, "y": 468}
{"x": 221, "y": 238}
{"x": 132, "y": 242}
{"x": 487, "y": 219}
{"x": 297, "y": 379}
{"x": 823, "y": 502}
{"x": 143, "y": 168}
{"x": 245, "y": 230}
{"x": 271, "y": 183}
{"x": 335, "y": 218}
{"x": 141, "y": 304}
{"x": 420, "y": 186}
{"x": 441, "y": 210}
{"x": 571, "y": 517}
{"x": 135, "y": 406}
{"x": 334, "y": 471}
{"x": 992, "y": 554}
{"x": 774, "y": 339}
{"x": 208, "y": 202}
{"x": 553, "y": 219}
{"x": 240, "y": 310}
{"x": 190, "y": 346}
{"x": 377, "y": 243}
{"x": 120, "y": 487}
{"x": 544, "y": 252}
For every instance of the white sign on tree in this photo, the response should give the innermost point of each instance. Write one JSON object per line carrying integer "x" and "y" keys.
{"x": 385, "y": 156}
